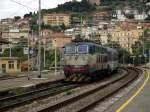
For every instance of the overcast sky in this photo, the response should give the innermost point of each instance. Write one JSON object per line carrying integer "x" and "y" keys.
{"x": 9, "y": 8}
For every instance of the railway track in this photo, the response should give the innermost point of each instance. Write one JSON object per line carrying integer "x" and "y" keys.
{"x": 40, "y": 92}
{"x": 11, "y": 101}
{"x": 81, "y": 103}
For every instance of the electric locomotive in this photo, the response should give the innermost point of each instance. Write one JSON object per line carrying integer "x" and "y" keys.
{"x": 84, "y": 61}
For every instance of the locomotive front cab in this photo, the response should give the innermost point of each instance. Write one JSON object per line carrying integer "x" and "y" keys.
{"x": 76, "y": 59}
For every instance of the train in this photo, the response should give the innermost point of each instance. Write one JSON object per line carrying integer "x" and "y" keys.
{"x": 86, "y": 61}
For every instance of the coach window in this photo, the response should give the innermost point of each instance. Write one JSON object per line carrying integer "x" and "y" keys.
{"x": 91, "y": 49}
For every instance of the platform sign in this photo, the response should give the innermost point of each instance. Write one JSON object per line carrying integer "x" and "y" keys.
{"x": 25, "y": 50}
{"x": 31, "y": 51}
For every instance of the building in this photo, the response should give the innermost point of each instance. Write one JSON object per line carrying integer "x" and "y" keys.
{"x": 7, "y": 21}
{"x": 69, "y": 32}
{"x": 126, "y": 38}
{"x": 57, "y": 19}
{"x": 59, "y": 39}
{"x": 132, "y": 24}
{"x": 14, "y": 35}
{"x": 94, "y": 2}
{"x": 142, "y": 16}
{"x": 100, "y": 16}
{"x": 10, "y": 65}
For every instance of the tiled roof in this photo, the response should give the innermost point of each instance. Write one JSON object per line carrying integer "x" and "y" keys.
{"x": 58, "y": 14}
{"x": 59, "y": 35}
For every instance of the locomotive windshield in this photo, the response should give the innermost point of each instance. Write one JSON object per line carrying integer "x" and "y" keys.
{"x": 82, "y": 49}
{"x": 70, "y": 49}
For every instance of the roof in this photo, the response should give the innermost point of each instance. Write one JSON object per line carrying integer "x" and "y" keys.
{"x": 9, "y": 58}
{"x": 79, "y": 43}
{"x": 57, "y": 14}
{"x": 59, "y": 35}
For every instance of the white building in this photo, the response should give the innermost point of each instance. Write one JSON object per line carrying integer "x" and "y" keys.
{"x": 120, "y": 16}
{"x": 69, "y": 32}
{"x": 142, "y": 16}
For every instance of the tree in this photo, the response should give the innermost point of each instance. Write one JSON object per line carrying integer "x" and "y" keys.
{"x": 16, "y": 18}
{"x": 130, "y": 16}
{"x": 28, "y": 15}
{"x": 148, "y": 18}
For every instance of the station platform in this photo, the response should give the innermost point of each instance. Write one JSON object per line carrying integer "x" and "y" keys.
{"x": 137, "y": 100}
{"x": 24, "y": 82}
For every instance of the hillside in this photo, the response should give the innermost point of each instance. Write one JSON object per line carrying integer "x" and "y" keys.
{"x": 120, "y": 4}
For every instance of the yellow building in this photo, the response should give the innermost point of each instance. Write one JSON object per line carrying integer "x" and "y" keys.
{"x": 126, "y": 38}
{"x": 57, "y": 19}
{"x": 10, "y": 65}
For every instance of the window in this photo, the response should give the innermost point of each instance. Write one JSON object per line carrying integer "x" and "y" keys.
{"x": 82, "y": 49}
{"x": 11, "y": 64}
{"x": 91, "y": 50}
{"x": 70, "y": 49}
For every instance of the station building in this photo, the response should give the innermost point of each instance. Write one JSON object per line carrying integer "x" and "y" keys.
{"x": 10, "y": 65}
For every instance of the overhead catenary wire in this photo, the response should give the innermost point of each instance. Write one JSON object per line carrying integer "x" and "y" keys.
{"x": 21, "y": 4}
{"x": 20, "y": 9}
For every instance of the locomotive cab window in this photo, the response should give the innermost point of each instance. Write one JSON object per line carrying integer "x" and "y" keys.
{"x": 82, "y": 49}
{"x": 70, "y": 49}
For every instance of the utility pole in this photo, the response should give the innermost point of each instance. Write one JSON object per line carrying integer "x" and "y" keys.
{"x": 10, "y": 55}
{"x": 55, "y": 58}
{"x": 44, "y": 52}
{"x": 28, "y": 49}
{"x": 39, "y": 42}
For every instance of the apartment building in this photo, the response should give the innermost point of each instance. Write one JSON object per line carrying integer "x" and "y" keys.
{"x": 7, "y": 21}
{"x": 59, "y": 39}
{"x": 57, "y": 19}
{"x": 126, "y": 38}
{"x": 94, "y": 2}
{"x": 14, "y": 35}
{"x": 100, "y": 16}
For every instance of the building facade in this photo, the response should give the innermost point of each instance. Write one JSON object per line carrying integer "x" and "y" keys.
{"x": 59, "y": 40}
{"x": 126, "y": 38}
{"x": 10, "y": 65}
{"x": 94, "y": 2}
{"x": 57, "y": 19}
{"x": 100, "y": 16}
